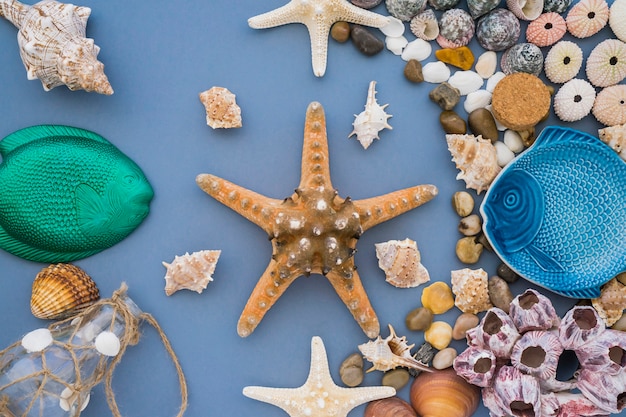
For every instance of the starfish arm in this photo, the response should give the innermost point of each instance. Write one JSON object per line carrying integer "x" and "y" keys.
{"x": 376, "y": 210}
{"x": 277, "y": 17}
{"x": 319, "y": 30}
{"x": 272, "y": 284}
{"x": 354, "y": 14}
{"x": 351, "y": 291}
{"x": 315, "y": 167}
{"x": 253, "y": 206}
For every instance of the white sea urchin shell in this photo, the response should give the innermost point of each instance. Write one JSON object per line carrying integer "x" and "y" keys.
{"x": 191, "y": 271}
{"x": 370, "y": 121}
{"x": 606, "y": 64}
{"x": 574, "y": 100}
{"x": 563, "y": 62}
{"x": 617, "y": 19}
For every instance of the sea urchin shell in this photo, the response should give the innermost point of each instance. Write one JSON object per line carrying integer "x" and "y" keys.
{"x": 610, "y": 105}
{"x": 546, "y": 30}
{"x": 563, "y": 62}
{"x": 587, "y": 17}
{"x": 606, "y": 64}
{"x": 574, "y": 100}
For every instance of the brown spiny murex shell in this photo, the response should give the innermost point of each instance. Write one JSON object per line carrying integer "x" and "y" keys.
{"x": 62, "y": 290}
{"x": 54, "y": 47}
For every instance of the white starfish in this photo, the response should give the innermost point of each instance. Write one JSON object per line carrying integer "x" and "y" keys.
{"x": 318, "y": 16}
{"x": 319, "y": 396}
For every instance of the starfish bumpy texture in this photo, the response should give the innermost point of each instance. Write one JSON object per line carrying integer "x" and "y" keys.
{"x": 318, "y": 16}
{"x": 319, "y": 396}
{"x": 314, "y": 231}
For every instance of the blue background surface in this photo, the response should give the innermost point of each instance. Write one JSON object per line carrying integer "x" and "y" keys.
{"x": 158, "y": 56}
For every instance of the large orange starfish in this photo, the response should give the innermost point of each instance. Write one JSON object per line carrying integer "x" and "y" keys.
{"x": 314, "y": 231}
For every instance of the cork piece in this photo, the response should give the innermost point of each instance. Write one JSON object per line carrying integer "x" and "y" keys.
{"x": 520, "y": 101}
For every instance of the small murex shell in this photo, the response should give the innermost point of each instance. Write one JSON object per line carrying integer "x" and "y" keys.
{"x": 476, "y": 160}
{"x": 615, "y": 137}
{"x": 370, "y": 121}
{"x": 62, "y": 290}
{"x": 401, "y": 261}
{"x": 390, "y": 353}
{"x": 471, "y": 290}
{"x": 222, "y": 110}
{"x": 191, "y": 271}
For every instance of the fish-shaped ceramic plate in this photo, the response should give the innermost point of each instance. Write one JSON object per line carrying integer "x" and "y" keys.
{"x": 67, "y": 193}
{"x": 557, "y": 213}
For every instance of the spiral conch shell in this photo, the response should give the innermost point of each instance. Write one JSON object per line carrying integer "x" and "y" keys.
{"x": 54, "y": 47}
{"x": 390, "y": 353}
{"x": 476, "y": 158}
{"x": 191, "y": 271}
{"x": 401, "y": 261}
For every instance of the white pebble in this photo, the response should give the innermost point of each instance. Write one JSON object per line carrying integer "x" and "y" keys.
{"x": 37, "y": 340}
{"x": 486, "y": 64}
{"x": 513, "y": 141}
{"x": 394, "y": 28}
{"x": 107, "y": 343}
{"x": 444, "y": 358}
{"x": 396, "y": 44}
{"x": 69, "y": 397}
{"x": 466, "y": 81}
{"x": 435, "y": 72}
{"x": 418, "y": 49}
{"x": 477, "y": 100}
{"x": 503, "y": 153}
{"x": 499, "y": 126}
{"x": 494, "y": 80}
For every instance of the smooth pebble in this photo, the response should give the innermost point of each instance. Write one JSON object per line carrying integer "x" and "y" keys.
{"x": 462, "y": 324}
{"x": 439, "y": 334}
{"x": 482, "y": 122}
{"x": 494, "y": 80}
{"x": 466, "y": 81}
{"x": 419, "y": 319}
{"x": 351, "y": 370}
{"x": 365, "y": 41}
{"x": 396, "y": 378}
{"x": 396, "y": 44}
{"x": 513, "y": 141}
{"x": 506, "y": 273}
{"x": 452, "y": 123}
{"x": 436, "y": 72}
{"x": 500, "y": 293}
{"x": 476, "y": 100}
{"x": 340, "y": 31}
{"x": 418, "y": 49}
{"x": 394, "y": 28}
{"x": 445, "y": 95}
{"x": 37, "y": 340}
{"x": 470, "y": 225}
{"x": 413, "y": 71}
{"x": 503, "y": 154}
{"x": 499, "y": 126}
{"x": 463, "y": 203}
{"x": 444, "y": 358}
{"x": 620, "y": 324}
{"x": 468, "y": 250}
{"x": 486, "y": 64}
{"x": 107, "y": 343}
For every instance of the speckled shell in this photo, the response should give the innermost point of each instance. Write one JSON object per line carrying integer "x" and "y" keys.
{"x": 605, "y": 354}
{"x": 54, "y": 47}
{"x": 221, "y": 108}
{"x": 546, "y": 30}
{"x": 497, "y": 30}
{"x": 404, "y": 9}
{"x": 477, "y": 366}
{"x": 587, "y": 17}
{"x": 612, "y": 301}
{"x": 366, "y": 4}
{"x": 456, "y": 28}
{"x": 557, "y": 6}
{"x": 579, "y": 326}
{"x": 574, "y": 100}
{"x": 443, "y": 4}
{"x": 470, "y": 289}
{"x": 443, "y": 393}
{"x": 191, "y": 271}
{"x": 425, "y": 25}
{"x": 522, "y": 57}
{"x": 537, "y": 353}
{"x": 606, "y": 64}
{"x": 476, "y": 160}
{"x": 62, "y": 290}
{"x": 610, "y": 105}
{"x": 401, "y": 261}
{"x": 615, "y": 137}
{"x": 525, "y": 9}
{"x": 496, "y": 332}
{"x": 390, "y": 353}
{"x": 563, "y": 62}
{"x": 478, "y": 8}
{"x": 533, "y": 311}
{"x": 370, "y": 121}
{"x": 617, "y": 19}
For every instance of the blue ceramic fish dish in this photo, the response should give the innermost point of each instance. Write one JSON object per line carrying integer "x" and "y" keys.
{"x": 557, "y": 213}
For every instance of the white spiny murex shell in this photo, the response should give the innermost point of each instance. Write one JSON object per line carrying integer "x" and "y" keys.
{"x": 191, "y": 271}
{"x": 401, "y": 261}
{"x": 53, "y": 45}
{"x": 390, "y": 353}
{"x": 221, "y": 108}
{"x": 476, "y": 159}
{"x": 615, "y": 137}
{"x": 370, "y": 121}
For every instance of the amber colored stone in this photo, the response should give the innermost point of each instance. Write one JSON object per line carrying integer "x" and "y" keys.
{"x": 461, "y": 57}
{"x": 452, "y": 123}
{"x": 340, "y": 31}
{"x": 481, "y": 122}
{"x": 413, "y": 71}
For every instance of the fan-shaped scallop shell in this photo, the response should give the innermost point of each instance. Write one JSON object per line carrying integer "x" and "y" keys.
{"x": 574, "y": 100}
{"x": 191, "y": 271}
{"x": 470, "y": 289}
{"x": 610, "y": 105}
{"x": 54, "y": 47}
{"x": 62, "y": 290}
{"x": 546, "y": 30}
{"x": 425, "y": 25}
{"x": 221, "y": 107}
{"x": 617, "y": 19}
{"x": 390, "y": 353}
{"x": 563, "y": 62}
{"x": 587, "y": 17}
{"x": 612, "y": 302}
{"x": 615, "y": 137}
{"x": 401, "y": 261}
{"x": 525, "y": 9}
{"x": 498, "y": 30}
{"x": 476, "y": 160}
{"x": 456, "y": 28}
{"x": 522, "y": 57}
{"x": 606, "y": 64}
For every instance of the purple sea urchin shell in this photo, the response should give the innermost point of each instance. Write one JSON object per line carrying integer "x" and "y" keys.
{"x": 537, "y": 353}
{"x": 579, "y": 326}
{"x": 477, "y": 366}
{"x": 533, "y": 311}
{"x": 456, "y": 28}
{"x": 522, "y": 57}
{"x": 497, "y": 30}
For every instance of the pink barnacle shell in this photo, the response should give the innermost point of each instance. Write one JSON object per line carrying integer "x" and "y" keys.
{"x": 533, "y": 311}
{"x": 570, "y": 404}
{"x": 495, "y": 332}
{"x": 579, "y": 326}
{"x": 607, "y": 392}
{"x": 607, "y": 353}
{"x": 537, "y": 353}
{"x": 516, "y": 394}
{"x": 477, "y": 366}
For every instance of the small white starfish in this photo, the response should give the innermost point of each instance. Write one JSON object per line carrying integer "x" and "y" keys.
{"x": 318, "y": 16}
{"x": 319, "y": 396}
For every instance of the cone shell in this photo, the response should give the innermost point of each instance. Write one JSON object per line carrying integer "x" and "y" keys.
{"x": 191, "y": 271}
{"x": 610, "y": 105}
{"x": 62, "y": 290}
{"x": 475, "y": 158}
{"x": 470, "y": 290}
{"x": 587, "y": 17}
{"x": 444, "y": 393}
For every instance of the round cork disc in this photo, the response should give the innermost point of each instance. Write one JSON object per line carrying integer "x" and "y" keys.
{"x": 520, "y": 101}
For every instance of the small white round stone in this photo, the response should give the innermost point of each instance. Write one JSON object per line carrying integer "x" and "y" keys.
{"x": 107, "y": 343}
{"x": 503, "y": 153}
{"x": 513, "y": 141}
{"x": 394, "y": 28}
{"x": 37, "y": 340}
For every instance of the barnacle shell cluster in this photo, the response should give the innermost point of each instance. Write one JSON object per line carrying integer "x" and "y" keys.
{"x": 191, "y": 271}
{"x": 514, "y": 357}
{"x": 401, "y": 261}
{"x": 54, "y": 47}
{"x": 475, "y": 158}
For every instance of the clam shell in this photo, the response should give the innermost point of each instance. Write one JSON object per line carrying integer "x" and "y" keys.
{"x": 417, "y": 49}
{"x": 466, "y": 81}
{"x": 486, "y": 64}
{"x": 443, "y": 393}
{"x": 389, "y": 407}
{"x": 436, "y": 72}
{"x": 62, "y": 290}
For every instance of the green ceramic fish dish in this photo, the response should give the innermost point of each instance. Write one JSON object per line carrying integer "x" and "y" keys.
{"x": 67, "y": 193}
